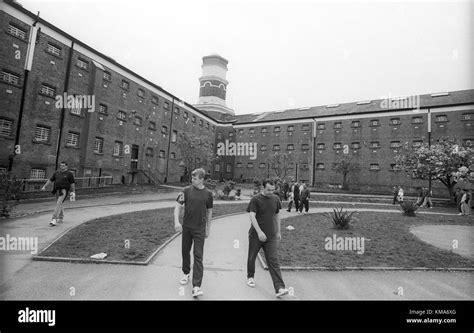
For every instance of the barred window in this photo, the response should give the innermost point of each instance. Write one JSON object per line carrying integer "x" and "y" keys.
{"x": 417, "y": 120}
{"x": 290, "y": 147}
{"x": 164, "y": 129}
{"x": 238, "y": 165}
{"x": 81, "y": 63}
{"x": 173, "y": 155}
{"x": 107, "y": 76}
{"x": 228, "y": 168}
{"x": 374, "y": 145}
{"x": 231, "y": 134}
{"x": 321, "y": 146}
{"x": 217, "y": 168}
{"x": 162, "y": 154}
{"x": 321, "y": 126}
{"x": 149, "y": 152}
{"x": 138, "y": 121}
{"x": 374, "y": 123}
{"x": 103, "y": 109}
{"x": 152, "y": 125}
{"x": 185, "y": 115}
{"x": 337, "y": 145}
{"x": 174, "y": 136}
{"x": 374, "y": 167}
{"x": 98, "y": 145}
{"x": 118, "y": 148}
{"x": 276, "y": 147}
{"x": 219, "y": 136}
{"x": 42, "y": 133}
{"x": 122, "y": 115}
{"x": 276, "y": 129}
{"x": 124, "y": 85}
{"x": 16, "y": 31}
{"x": 355, "y": 124}
{"x": 305, "y": 146}
{"x": 262, "y": 165}
{"x": 467, "y": 116}
{"x": 355, "y": 145}
{"x": 395, "y": 121}
{"x": 250, "y": 165}
{"x": 166, "y": 106}
{"x": 154, "y": 99}
{"x": 241, "y": 131}
{"x": 37, "y": 174}
{"x": 76, "y": 109}
{"x": 338, "y": 125}
{"x": 176, "y": 110}
{"x": 9, "y": 77}
{"x": 305, "y": 127}
{"x": 48, "y": 90}
{"x": 53, "y": 49}
{"x": 263, "y": 147}
{"x": 290, "y": 128}
{"x": 395, "y": 144}
{"x": 72, "y": 139}
{"x": 251, "y": 130}
{"x": 441, "y": 119}
{"x": 320, "y": 166}
{"x": 264, "y": 130}
{"x": 141, "y": 93}
{"x": 5, "y": 127}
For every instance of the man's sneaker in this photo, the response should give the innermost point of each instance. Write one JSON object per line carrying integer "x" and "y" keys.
{"x": 59, "y": 221}
{"x": 184, "y": 279}
{"x": 281, "y": 292}
{"x": 197, "y": 292}
{"x": 251, "y": 282}
{"x": 52, "y": 223}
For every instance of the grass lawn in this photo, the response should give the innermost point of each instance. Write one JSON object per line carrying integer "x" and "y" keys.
{"x": 145, "y": 231}
{"x": 391, "y": 244}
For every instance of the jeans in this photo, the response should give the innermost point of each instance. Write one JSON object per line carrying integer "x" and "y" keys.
{"x": 58, "y": 213}
{"x": 270, "y": 248}
{"x": 305, "y": 203}
{"x": 198, "y": 236}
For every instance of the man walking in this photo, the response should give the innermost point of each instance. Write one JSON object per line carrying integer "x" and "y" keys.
{"x": 197, "y": 202}
{"x": 265, "y": 231}
{"x": 305, "y": 194}
{"x": 63, "y": 182}
{"x": 296, "y": 196}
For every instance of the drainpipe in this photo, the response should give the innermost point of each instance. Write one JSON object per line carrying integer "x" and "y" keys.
{"x": 169, "y": 141}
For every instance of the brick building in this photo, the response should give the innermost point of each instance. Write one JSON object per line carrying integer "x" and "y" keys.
{"x": 130, "y": 127}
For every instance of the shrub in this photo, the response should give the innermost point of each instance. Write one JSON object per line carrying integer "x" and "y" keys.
{"x": 10, "y": 192}
{"x": 408, "y": 208}
{"x": 210, "y": 184}
{"x": 341, "y": 218}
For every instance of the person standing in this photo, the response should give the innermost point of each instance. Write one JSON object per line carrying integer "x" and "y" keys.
{"x": 197, "y": 202}
{"x": 63, "y": 182}
{"x": 296, "y": 196}
{"x": 421, "y": 199}
{"x": 291, "y": 197}
{"x": 458, "y": 196}
{"x": 400, "y": 194}
{"x": 466, "y": 202}
{"x": 427, "y": 195}
{"x": 305, "y": 194}
{"x": 265, "y": 231}
{"x": 395, "y": 194}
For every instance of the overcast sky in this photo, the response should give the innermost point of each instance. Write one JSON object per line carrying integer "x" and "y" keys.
{"x": 282, "y": 54}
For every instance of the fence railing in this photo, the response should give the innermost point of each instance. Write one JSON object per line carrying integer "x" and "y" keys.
{"x": 30, "y": 185}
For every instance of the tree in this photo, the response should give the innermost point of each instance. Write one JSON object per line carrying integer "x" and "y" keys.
{"x": 345, "y": 166}
{"x": 280, "y": 164}
{"x": 195, "y": 153}
{"x": 448, "y": 161}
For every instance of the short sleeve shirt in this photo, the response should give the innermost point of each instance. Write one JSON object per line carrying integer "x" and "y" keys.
{"x": 196, "y": 203}
{"x": 62, "y": 179}
{"x": 265, "y": 209}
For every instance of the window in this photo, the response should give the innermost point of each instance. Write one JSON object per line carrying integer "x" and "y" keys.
{"x": 276, "y": 147}
{"x": 241, "y": 131}
{"x": 193, "y": 119}
{"x": 374, "y": 145}
{"x": 164, "y": 129}
{"x": 395, "y": 144}
{"x": 228, "y": 168}
{"x": 138, "y": 121}
{"x": 162, "y": 154}
{"x": 441, "y": 119}
{"x": 98, "y": 145}
{"x": 264, "y": 130}
{"x": 290, "y": 128}
{"x": 166, "y": 106}
{"x": 467, "y": 116}
{"x": 107, "y": 76}
{"x": 290, "y": 147}
{"x": 201, "y": 123}
{"x": 338, "y": 125}
{"x": 17, "y": 31}
{"x": 355, "y": 124}
{"x": 320, "y": 166}
{"x": 262, "y": 165}
{"x": 263, "y": 147}
{"x": 394, "y": 167}
{"x": 321, "y": 126}
{"x": 305, "y": 127}
{"x": 53, "y": 49}
{"x": 176, "y": 110}
{"x": 122, "y": 115}
{"x": 152, "y": 125}
{"x": 81, "y": 63}
{"x": 10, "y": 77}
{"x": 417, "y": 143}
{"x": 72, "y": 139}
{"x": 374, "y": 123}
{"x": 149, "y": 152}
{"x": 417, "y": 120}
{"x": 124, "y": 85}
{"x": 173, "y": 155}
{"x": 48, "y": 90}
{"x": 252, "y": 131}
{"x": 395, "y": 121}
{"x": 355, "y": 145}
{"x": 154, "y": 99}
{"x": 118, "y": 148}
{"x": 276, "y": 129}
{"x": 76, "y": 109}
{"x": 5, "y": 127}
{"x": 185, "y": 115}
{"x": 238, "y": 165}
{"x": 250, "y": 165}
{"x": 141, "y": 93}
{"x": 337, "y": 145}
{"x": 219, "y": 136}
{"x": 103, "y": 109}
{"x": 217, "y": 168}
{"x": 321, "y": 146}
{"x": 37, "y": 174}
{"x": 42, "y": 133}
{"x": 305, "y": 146}
{"x": 374, "y": 167}
{"x": 174, "y": 136}
{"x": 231, "y": 134}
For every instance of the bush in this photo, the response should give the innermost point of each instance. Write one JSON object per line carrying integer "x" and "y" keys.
{"x": 340, "y": 218}
{"x": 210, "y": 184}
{"x": 408, "y": 208}
{"x": 10, "y": 192}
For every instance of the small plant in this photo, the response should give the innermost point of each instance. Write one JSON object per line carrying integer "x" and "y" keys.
{"x": 341, "y": 218}
{"x": 409, "y": 208}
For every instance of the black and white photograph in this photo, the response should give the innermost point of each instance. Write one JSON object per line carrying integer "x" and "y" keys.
{"x": 278, "y": 155}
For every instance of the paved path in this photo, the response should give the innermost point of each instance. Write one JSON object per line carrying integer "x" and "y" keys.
{"x": 225, "y": 270}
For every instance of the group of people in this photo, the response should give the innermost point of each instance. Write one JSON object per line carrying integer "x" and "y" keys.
{"x": 424, "y": 197}
{"x": 298, "y": 194}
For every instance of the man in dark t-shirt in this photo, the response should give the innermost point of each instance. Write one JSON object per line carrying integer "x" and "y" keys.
{"x": 64, "y": 184}
{"x": 265, "y": 231}
{"x": 197, "y": 202}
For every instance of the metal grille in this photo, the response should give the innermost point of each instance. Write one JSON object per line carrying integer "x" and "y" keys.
{"x": 72, "y": 139}
{"x": 17, "y": 32}
{"x": 54, "y": 50}
{"x": 42, "y": 133}
{"x": 5, "y": 127}
{"x": 10, "y": 78}
{"x": 98, "y": 145}
{"x": 37, "y": 174}
{"x": 47, "y": 90}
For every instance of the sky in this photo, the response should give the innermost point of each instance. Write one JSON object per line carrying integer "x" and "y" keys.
{"x": 282, "y": 54}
